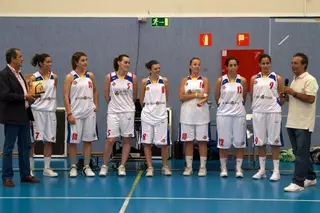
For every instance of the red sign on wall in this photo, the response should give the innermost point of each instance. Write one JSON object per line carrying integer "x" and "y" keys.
{"x": 205, "y": 39}
{"x": 243, "y": 39}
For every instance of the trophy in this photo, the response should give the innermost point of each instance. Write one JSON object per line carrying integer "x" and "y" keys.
{"x": 35, "y": 88}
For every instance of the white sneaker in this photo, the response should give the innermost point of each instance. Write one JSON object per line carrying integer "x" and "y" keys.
{"x": 310, "y": 182}
{"x": 166, "y": 171}
{"x": 202, "y": 172}
{"x": 73, "y": 171}
{"x": 260, "y": 174}
{"x": 49, "y": 172}
{"x": 224, "y": 172}
{"x": 31, "y": 173}
{"x": 293, "y": 188}
{"x": 149, "y": 172}
{"x": 88, "y": 171}
{"x": 122, "y": 170}
{"x": 187, "y": 171}
{"x": 103, "y": 171}
{"x": 275, "y": 176}
{"x": 239, "y": 173}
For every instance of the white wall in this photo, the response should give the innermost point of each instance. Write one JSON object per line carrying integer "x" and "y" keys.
{"x": 135, "y": 8}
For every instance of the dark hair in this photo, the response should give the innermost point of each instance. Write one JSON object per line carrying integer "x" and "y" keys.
{"x": 11, "y": 53}
{"x": 117, "y": 59}
{"x": 191, "y": 60}
{"x": 39, "y": 58}
{"x": 151, "y": 63}
{"x": 75, "y": 58}
{"x": 230, "y": 59}
{"x": 304, "y": 60}
{"x": 264, "y": 56}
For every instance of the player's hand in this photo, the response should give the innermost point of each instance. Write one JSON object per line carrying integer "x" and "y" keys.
{"x": 36, "y": 96}
{"x": 96, "y": 109}
{"x": 71, "y": 119}
{"x": 200, "y": 95}
{"x": 201, "y": 103}
{"x": 30, "y": 97}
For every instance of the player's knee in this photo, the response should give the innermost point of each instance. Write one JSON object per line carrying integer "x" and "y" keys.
{"x": 111, "y": 141}
{"x": 126, "y": 140}
{"x": 189, "y": 143}
{"x": 202, "y": 143}
{"x": 146, "y": 145}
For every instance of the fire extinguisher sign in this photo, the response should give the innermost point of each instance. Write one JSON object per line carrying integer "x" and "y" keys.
{"x": 205, "y": 39}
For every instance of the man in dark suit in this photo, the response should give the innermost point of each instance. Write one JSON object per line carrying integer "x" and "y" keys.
{"x": 15, "y": 114}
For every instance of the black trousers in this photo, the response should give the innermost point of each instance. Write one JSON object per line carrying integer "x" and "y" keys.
{"x": 12, "y": 133}
{"x": 301, "y": 142}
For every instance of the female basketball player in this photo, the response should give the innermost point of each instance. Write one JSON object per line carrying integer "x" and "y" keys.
{"x": 230, "y": 96}
{"x": 194, "y": 115}
{"x": 154, "y": 94}
{"x": 121, "y": 89}
{"x": 81, "y": 103}
{"x": 44, "y": 111}
{"x": 266, "y": 117}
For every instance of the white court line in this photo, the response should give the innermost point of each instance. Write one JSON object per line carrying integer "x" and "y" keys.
{"x": 283, "y": 40}
{"x": 129, "y": 196}
{"x": 161, "y": 198}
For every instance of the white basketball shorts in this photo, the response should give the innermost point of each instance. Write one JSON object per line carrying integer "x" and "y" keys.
{"x": 44, "y": 126}
{"x": 83, "y": 130}
{"x": 120, "y": 124}
{"x": 155, "y": 134}
{"x": 190, "y": 132}
{"x": 231, "y": 130}
{"x": 267, "y": 129}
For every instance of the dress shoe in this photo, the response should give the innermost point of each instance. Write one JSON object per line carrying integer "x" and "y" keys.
{"x": 8, "y": 183}
{"x": 30, "y": 179}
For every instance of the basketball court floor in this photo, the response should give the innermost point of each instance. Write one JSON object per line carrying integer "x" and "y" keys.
{"x": 137, "y": 193}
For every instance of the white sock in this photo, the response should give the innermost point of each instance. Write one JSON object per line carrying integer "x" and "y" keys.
{"x": 203, "y": 162}
{"x": 223, "y": 162}
{"x": 31, "y": 163}
{"x": 262, "y": 162}
{"x": 189, "y": 161}
{"x": 47, "y": 162}
{"x": 239, "y": 163}
{"x": 276, "y": 165}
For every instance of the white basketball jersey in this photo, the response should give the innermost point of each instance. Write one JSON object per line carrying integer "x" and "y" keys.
{"x": 190, "y": 113}
{"x": 231, "y": 101}
{"x": 265, "y": 94}
{"x": 81, "y": 96}
{"x": 121, "y": 94}
{"x": 47, "y": 101}
{"x": 155, "y": 108}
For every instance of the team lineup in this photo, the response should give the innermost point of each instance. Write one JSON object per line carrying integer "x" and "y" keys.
{"x": 267, "y": 90}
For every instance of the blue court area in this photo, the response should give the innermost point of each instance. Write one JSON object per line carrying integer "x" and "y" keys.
{"x": 137, "y": 193}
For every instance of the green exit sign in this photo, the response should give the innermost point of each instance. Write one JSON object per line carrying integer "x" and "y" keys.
{"x": 160, "y": 22}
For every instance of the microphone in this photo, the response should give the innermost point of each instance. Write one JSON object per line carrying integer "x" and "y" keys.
{"x": 286, "y": 83}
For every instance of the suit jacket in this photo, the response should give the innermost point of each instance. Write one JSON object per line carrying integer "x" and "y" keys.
{"x": 12, "y": 102}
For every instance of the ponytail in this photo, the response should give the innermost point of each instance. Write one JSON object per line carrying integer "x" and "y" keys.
{"x": 39, "y": 58}
{"x": 117, "y": 59}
